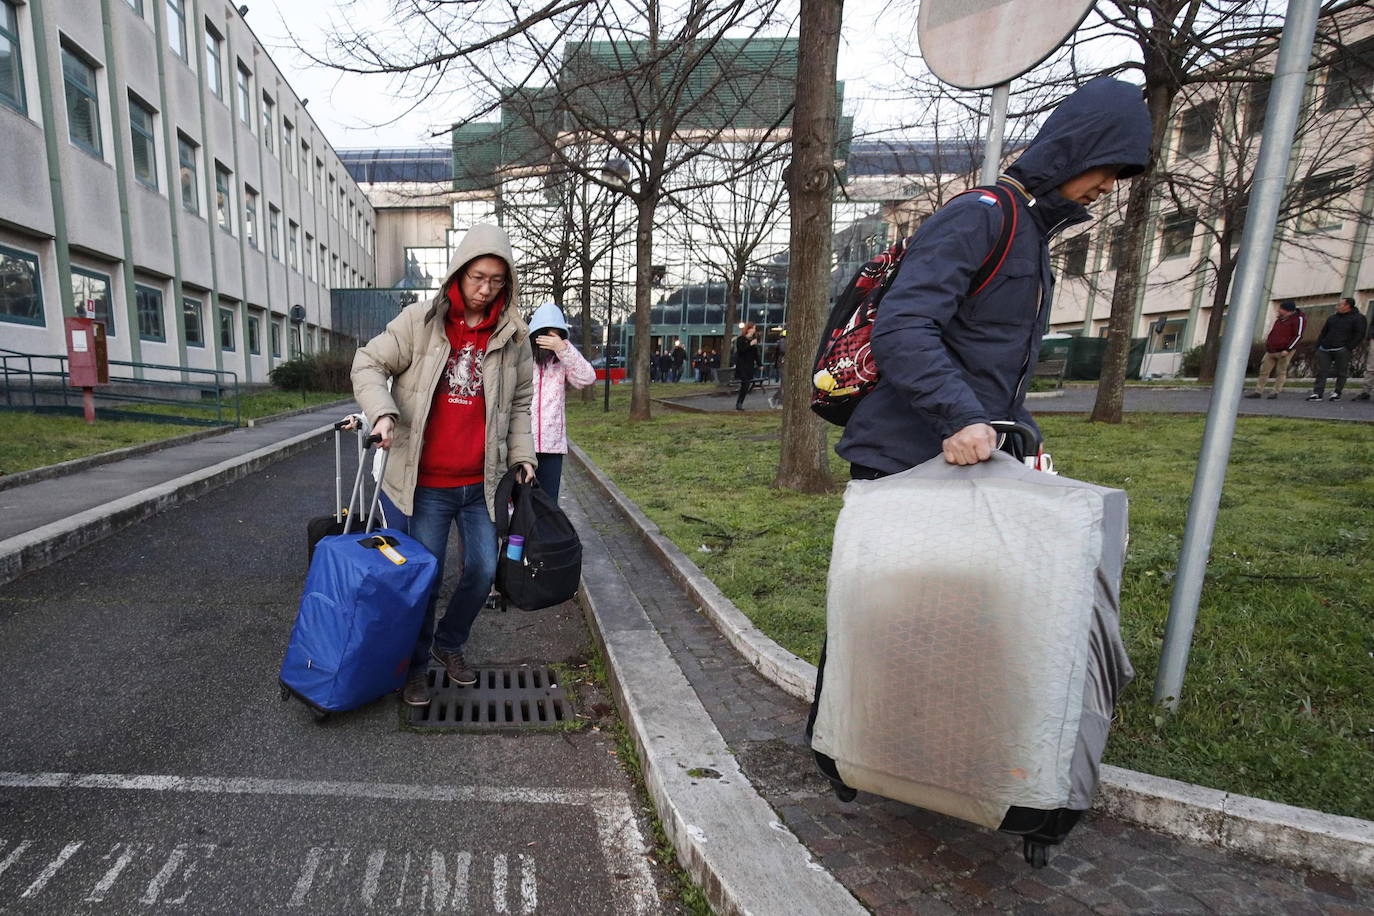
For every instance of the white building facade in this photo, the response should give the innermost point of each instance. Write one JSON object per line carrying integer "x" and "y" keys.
{"x": 159, "y": 174}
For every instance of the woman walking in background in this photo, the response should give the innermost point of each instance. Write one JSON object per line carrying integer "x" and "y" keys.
{"x": 557, "y": 364}
{"x": 746, "y": 360}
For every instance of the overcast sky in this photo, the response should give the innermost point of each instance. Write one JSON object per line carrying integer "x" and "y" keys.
{"x": 347, "y": 107}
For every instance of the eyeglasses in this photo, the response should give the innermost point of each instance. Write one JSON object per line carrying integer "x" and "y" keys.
{"x": 492, "y": 283}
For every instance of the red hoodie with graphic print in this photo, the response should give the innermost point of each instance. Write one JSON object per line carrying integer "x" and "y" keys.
{"x": 454, "y": 451}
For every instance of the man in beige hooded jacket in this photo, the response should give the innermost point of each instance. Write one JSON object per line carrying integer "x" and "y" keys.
{"x": 455, "y": 417}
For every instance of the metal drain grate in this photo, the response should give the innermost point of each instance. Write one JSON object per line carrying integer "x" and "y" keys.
{"x": 501, "y": 698}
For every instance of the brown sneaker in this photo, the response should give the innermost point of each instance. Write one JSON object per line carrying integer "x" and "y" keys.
{"x": 416, "y": 692}
{"x": 456, "y": 666}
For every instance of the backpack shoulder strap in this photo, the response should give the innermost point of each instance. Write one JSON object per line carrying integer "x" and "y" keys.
{"x": 1006, "y": 206}
{"x": 505, "y": 490}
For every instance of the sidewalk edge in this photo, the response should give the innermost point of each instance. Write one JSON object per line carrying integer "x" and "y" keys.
{"x": 86, "y": 462}
{"x": 1287, "y": 834}
{"x": 49, "y": 543}
{"x": 726, "y": 835}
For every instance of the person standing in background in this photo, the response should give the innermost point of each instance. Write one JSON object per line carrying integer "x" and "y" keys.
{"x": 1283, "y": 339}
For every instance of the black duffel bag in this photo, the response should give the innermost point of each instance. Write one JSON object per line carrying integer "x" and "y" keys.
{"x": 550, "y": 566}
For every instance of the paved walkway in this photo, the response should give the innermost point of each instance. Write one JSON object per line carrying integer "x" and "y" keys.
{"x": 1292, "y": 403}
{"x": 148, "y": 764}
{"x": 899, "y": 859}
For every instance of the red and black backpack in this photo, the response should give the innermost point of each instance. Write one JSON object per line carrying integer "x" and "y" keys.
{"x": 845, "y": 371}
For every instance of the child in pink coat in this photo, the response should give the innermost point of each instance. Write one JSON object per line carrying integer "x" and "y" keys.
{"x": 557, "y": 364}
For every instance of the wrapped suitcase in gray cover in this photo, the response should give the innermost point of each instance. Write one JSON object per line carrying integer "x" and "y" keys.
{"x": 973, "y": 653}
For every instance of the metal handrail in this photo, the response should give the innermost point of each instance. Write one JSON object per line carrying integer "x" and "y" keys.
{"x": 224, "y": 382}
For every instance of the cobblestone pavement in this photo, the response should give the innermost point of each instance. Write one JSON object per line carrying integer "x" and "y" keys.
{"x": 899, "y": 859}
{"x": 1292, "y": 403}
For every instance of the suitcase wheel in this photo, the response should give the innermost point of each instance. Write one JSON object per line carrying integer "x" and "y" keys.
{"x": 320, "y": 715}
{"x": 843, "y": 792}
{"x": 285, "y": 694}
{"x": 1037, "y": 853}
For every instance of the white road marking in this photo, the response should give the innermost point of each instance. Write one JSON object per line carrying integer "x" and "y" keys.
{"x": 373, "y": 875}
{"x": 405, "y": 876}
{"x": 453, "y": 895}
{"x": 51, "y": 869}
{"x": 529, "y": 893}
{"x": 498, "y": 884}
{"x": 307, "y": 878}
{"x": 617, "y": 828}
{"x": 206, "y": 850}
{"x": 102, "y": 888}
{"x": 14, "y": 855}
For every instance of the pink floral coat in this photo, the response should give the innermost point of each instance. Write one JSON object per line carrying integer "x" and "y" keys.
{"x": 550, "y": 388}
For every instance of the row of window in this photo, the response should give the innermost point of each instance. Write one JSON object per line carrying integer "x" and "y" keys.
{"x": 82, "y": 95}
{"x": 1314, "y": 214}
{"x": 1348, "y": 82}
{"x": 21, "y": 301}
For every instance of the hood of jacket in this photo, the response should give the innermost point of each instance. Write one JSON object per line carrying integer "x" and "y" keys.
{"x": 548, "y": 315}
{"x": 1104, "y": 122}
{"x": 480, "y": 241}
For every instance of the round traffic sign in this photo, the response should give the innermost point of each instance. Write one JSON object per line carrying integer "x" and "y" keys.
{"x": 974, "y": 44}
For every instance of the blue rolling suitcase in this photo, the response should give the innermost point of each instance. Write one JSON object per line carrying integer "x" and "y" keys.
{"x": 365, "y": 597}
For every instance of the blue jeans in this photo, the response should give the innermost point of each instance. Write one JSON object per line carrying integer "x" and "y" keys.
{"x": 549, "y": 473}
{"x": 436, "y": 509}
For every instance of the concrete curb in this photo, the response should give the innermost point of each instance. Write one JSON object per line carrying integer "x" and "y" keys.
{"x": 1286, "y": 834}
{"x": 727, "y": 837}
{"x": 76, "y": 465}
{"x": 45, "y": 545}
{"x": 260, "y": 421}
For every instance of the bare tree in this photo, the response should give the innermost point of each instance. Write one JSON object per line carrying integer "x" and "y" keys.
{"x": 725, "y": 225}
{"x": 803, "y": 462}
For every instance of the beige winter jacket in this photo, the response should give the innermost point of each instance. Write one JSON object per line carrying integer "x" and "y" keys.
{"x": 413, "y": 351}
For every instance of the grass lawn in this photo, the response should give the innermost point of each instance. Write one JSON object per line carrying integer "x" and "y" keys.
{"x": 38, "y": 440}
{"x": 1279, "y": 698}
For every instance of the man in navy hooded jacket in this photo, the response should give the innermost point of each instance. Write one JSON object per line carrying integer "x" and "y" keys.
{"x": 950, "y": 362}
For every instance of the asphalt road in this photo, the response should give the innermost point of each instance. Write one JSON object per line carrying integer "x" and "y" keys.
{"x": 148, "y": 763}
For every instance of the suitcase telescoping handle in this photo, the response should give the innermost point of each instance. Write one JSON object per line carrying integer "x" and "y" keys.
{"x": 345, "y": 423}
{"x": 355, "y": 498}
{"x": 1016, "y": 439}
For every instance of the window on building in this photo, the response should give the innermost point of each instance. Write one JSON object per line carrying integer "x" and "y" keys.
{"x": 274, "y": 231}
{"x": 83, "y": 104}
{"x": 1318, "y": 195}
{"x": 191, "y": 324}
{"x": 333, "y": 201}
{"x": 254, "y": 333}
{"x": 293, "y": 244}
{"x": 190, "y": 186}
{"x": 1256, "y": 105}
{"x": 1116, "y": 247}
{"x": 226, "y": 330}
{"x": 275, "y": 334}
{"x": 21, "y": 293}
{"x": 1195, "y": 132}
{"x": 352, "y": 226}
{"x": 1239, "y": 214}
{"x": 1177, "y": 237}
{"x": 305, "y": 165}
{"x": 250, "y": 215}
{"x": 295, "y": 340}
{"x": 149, "y": 302}
{"x": 214, "y": 61}
{"x": 176, "y": 27}
{"x": 245, "y": 94}
{"x": 333, "y": 271}
{"x": 143, "y": 138}
{"x": 91, "y": 296}
{"x": 224, "y": 198}
{"x": 324, "y": 272}
{"x": 138, "y": 7}
{"x": 288, "y": 145}
{"x": 319, "y": 177}
{"x": 269, "y": 121}
{"x": 1350, "y": 78}
{"x": 11, "y": 59}
{"x": 1076, "y": 255}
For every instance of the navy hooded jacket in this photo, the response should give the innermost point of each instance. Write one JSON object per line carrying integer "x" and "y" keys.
{"x": 947, "y": 359}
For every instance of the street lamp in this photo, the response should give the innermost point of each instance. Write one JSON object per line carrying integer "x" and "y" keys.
{"x": 616, "y": 173}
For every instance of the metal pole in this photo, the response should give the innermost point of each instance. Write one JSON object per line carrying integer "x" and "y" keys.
{"x": 610, "y": 291}
{"x": 997, "y": 127}
{"x": 1281, "y": 118}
